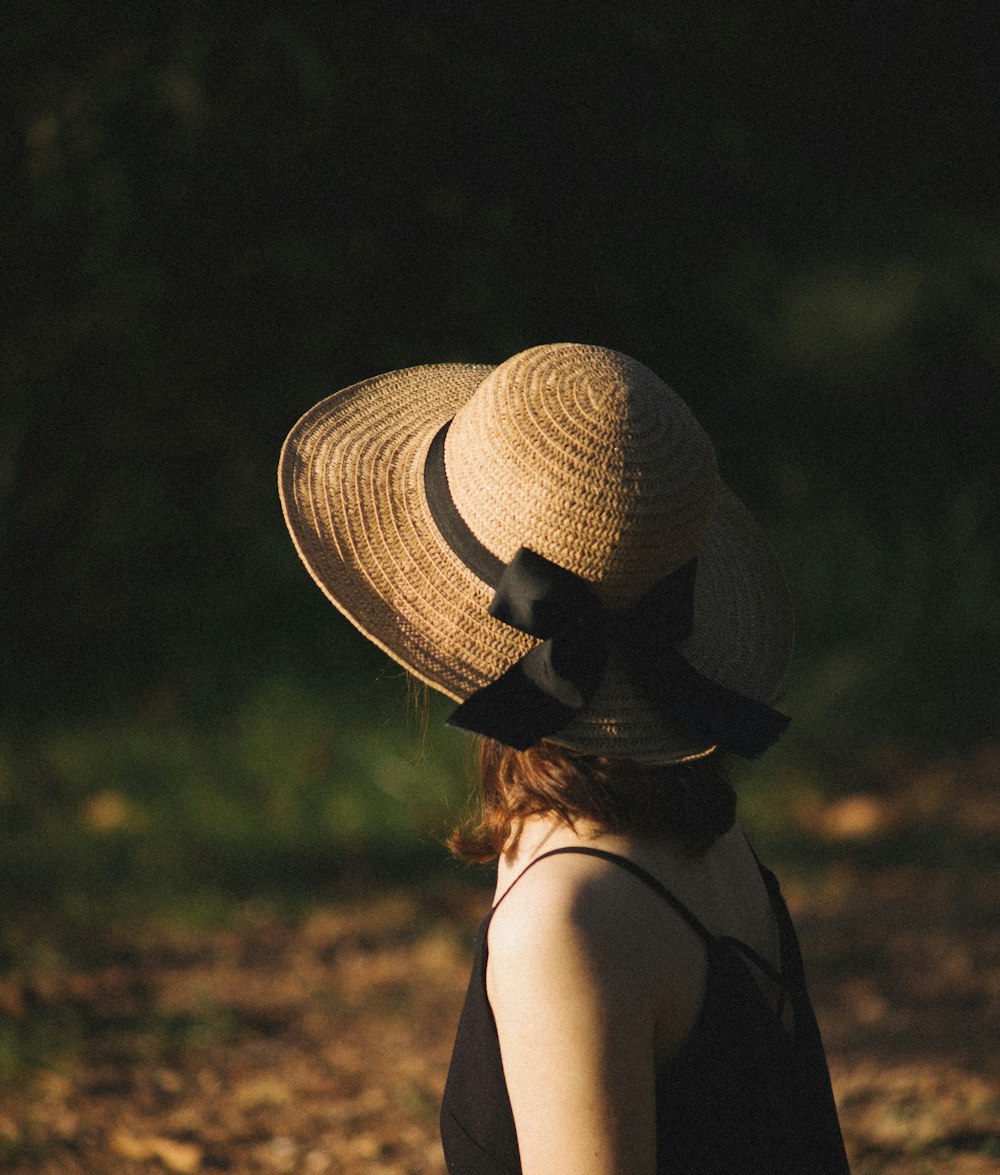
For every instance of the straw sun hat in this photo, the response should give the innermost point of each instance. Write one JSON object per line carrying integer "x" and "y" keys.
{"x": 548, "y": 543}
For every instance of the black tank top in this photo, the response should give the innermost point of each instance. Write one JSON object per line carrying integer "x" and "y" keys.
{"x": 742, "y": 1095}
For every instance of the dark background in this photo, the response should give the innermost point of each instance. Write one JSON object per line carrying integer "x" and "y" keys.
{"x": 211, "y": 219}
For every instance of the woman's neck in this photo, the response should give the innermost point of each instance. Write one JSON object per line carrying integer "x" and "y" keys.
{"x": 539, "y": 834}
{"x": 534, "y": 836}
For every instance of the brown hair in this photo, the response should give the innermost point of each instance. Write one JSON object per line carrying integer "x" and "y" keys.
{"x": 692, "y": 802}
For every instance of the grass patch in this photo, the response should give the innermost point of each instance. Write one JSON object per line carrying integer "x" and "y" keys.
{"x": 290, "y": 789}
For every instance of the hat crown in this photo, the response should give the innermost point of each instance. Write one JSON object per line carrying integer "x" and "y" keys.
{"x": 588, "y": 458}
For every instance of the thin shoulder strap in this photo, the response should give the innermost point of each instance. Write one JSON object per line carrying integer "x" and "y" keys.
{"x": 791, "y": 959}
{"x": 630, "y": 867}
{"x": 757, "y": 959}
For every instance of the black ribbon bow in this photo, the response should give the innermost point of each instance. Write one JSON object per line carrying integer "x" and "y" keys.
{"x": 554, "y": 681}
{"x": 543, "y": 691}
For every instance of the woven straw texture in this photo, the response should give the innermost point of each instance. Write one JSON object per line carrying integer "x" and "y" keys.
{"x": 579, "y": 453}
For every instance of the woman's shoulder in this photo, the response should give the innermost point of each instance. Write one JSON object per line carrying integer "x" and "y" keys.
{"x": 588, "y": 875}
{"x": 579, "y": 936}
{"x": 563, "y": 896}
{"x": 586, "y": 917}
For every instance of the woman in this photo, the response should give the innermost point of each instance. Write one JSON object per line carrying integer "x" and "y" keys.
{"x": 548, "y": 543}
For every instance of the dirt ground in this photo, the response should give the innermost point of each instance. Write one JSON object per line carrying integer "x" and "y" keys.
{"x": 323, "y": 1047}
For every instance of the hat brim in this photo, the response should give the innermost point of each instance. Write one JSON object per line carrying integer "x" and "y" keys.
{"x": 351, "y": 485}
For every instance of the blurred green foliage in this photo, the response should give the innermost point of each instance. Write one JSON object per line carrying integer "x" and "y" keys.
{"x": 296, "y": 789}
{"x": 212, "y": 219}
